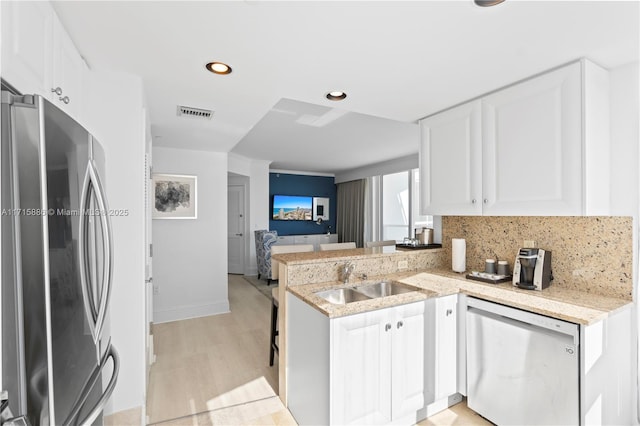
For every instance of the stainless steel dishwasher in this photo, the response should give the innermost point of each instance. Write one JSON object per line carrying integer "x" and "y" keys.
{"x": 522, "y": 368}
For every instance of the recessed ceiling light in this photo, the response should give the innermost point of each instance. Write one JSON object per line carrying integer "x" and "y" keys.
{"x": 336, "y": 96}
{"x": 218, "y": 68}
{"x": 487, "y": 3}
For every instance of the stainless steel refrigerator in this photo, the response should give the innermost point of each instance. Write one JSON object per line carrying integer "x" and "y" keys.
{"x": 58, "y": 364}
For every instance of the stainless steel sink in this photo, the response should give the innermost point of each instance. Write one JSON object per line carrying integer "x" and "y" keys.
{"x": 342, "y": 296}
{"x": 384, "y": 288}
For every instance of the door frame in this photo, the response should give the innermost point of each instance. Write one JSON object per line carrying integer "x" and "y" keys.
{"x": 239, "y": 180}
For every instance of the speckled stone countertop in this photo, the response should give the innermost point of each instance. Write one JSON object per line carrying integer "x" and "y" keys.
{"x": 569, "y": 305}
{"x": 348, "y": 254}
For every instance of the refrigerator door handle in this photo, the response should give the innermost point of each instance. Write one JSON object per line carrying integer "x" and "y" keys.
{"x": 95, "y": 314}
{"x": 106, "y": 394}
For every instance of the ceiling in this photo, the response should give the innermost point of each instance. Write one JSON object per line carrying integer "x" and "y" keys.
{"x": 397, "y": 62}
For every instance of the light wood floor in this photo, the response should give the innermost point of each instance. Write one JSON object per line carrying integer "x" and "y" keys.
{"x": 215, "y": 370}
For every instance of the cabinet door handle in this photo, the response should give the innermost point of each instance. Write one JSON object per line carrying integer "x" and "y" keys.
{"x": 387, "y": 327}
{"x": 66, "y": 99}
{"x": 57, "y": 91}
{"x": 485, "y": 201}
{"x": 400, "y": 324}
{"x": 238, "y": 235}
{"x": 473, "y": 201}
{"x": 449, "y": 312}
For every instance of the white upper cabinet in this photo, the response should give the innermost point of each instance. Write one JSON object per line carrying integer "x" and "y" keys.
{"x": 68, "y": 72}
{"x": 451, "y": 162}
{"x": 539, "y": 147}
{"x": 39, "y": 57}
{"x": 27, "y": 48}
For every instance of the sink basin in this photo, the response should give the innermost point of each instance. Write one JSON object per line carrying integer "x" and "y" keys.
{"x": 342, "y": 296}
{"x": 384, "y": 288}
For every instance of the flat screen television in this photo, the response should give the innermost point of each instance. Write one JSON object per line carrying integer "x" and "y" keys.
{"x": 292, "y": 207}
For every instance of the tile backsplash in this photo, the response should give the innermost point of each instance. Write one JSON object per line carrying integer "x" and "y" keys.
{"x": 591, "y": 254}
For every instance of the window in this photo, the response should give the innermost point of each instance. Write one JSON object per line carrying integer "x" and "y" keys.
{"x": 399, "y": 206}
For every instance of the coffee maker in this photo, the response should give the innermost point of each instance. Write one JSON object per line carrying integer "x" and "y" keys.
{"x": 532, "y": 269}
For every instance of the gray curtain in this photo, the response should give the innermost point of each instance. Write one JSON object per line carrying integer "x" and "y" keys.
{"x": 350, "y": 211}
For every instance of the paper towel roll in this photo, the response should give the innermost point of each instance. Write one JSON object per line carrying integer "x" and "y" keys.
{"x": 458, "y": 254}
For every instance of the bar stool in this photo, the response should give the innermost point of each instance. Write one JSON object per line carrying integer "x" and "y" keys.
{"x": 273, "y": 347}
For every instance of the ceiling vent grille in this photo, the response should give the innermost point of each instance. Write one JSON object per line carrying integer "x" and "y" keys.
{"x": 204, "y": 114}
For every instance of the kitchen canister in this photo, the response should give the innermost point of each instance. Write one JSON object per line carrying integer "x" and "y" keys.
{"x": 458, "y": 254}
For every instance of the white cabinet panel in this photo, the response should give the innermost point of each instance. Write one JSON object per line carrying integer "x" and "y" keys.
{"x": 304, "y": 239}
{"x": 532, "y": 146}
{"x": 68, "y": 72}
{"x": 285, "y": 240}
{"x": 451, "y": 161}
{"x": 38, "y": 56}
{"x": 374, "y": 373}
{"x": 313, "y": 239}
{"x": 361, "y": 369}
{"x": 27, "y": 48}
{"x": 539, "y": 147}
{"x": 408, "y": 360}
{"x": 446, "y": 344}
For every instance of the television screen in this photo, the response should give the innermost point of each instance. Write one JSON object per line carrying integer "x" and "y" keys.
{"x": 292, "y": 207}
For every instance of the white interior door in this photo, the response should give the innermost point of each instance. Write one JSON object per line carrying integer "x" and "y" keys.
{"x": 235, "y": 229}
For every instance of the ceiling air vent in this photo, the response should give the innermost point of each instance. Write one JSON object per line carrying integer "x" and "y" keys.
{"x": 195, "y": 112}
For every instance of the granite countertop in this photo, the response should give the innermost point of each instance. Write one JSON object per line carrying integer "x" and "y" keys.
{"x": 340, "y": 255}
{"x": 554, "y": 301}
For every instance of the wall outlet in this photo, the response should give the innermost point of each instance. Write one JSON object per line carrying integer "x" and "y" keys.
{"x": 403, "y": 264}
{"x": 156, "y": 289}
{"x": 530, "y": 244}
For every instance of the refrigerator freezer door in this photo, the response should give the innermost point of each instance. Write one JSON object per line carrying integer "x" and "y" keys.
{"x": 49, "y": 156}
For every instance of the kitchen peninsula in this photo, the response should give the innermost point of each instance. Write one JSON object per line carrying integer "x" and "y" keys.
{"x": 603, "y": 319}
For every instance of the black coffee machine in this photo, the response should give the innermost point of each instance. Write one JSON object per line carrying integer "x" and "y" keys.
{"x": 532, "y": 269}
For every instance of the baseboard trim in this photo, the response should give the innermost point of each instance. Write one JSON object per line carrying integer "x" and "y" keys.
{"x": 187, "y": 312}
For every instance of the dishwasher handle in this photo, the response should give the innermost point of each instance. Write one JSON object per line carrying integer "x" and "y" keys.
{"x": 533, "y": 327}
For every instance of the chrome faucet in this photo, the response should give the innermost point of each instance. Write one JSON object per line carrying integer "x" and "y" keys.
{"x": 347, "y": 270}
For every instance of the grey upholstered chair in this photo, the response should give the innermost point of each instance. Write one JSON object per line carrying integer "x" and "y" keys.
{"x": 264, "y": 240}
{"x": 259, "y": 249}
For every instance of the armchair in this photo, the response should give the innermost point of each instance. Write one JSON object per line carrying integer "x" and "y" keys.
{"x": 264, "y": 240}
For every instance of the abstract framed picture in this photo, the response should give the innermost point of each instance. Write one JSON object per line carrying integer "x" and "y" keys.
{"x": 174, "y": 196}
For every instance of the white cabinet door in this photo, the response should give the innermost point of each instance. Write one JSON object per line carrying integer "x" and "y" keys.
{"x": 68, "y": 72}
{"x": 446, "y": 346}
{"x": 361, "y": 369}
{"x": 325, "y": 239}
{"x": 451, "y": 162}
{"x": 27, "y": 47}
{"x": 407, "y": 373}
{"x": 304, "y": 239}
{"x": 285, "y": 240}
{"x": 38, "y": 57}
{"x": 531, "y": 135}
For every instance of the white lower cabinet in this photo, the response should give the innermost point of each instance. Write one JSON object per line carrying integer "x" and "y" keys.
{"x": 313, "y": 239}
{"x": 442, "y": 364}
{"x": 362, "y": 369}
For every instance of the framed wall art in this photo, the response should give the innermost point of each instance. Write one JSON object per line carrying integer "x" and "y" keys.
{"x": 174, "y": 196}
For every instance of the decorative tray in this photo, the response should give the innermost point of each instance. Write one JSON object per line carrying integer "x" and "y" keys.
{"x": 418, "y": 246}
{"x": 488, "y": 278}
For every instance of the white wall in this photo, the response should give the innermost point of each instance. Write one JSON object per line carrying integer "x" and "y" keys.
{"x": 114, "y": 115}
{"x": 258, "y": 208}
{"x": 384, "y": 168}
{"x": 190, "y": 255}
